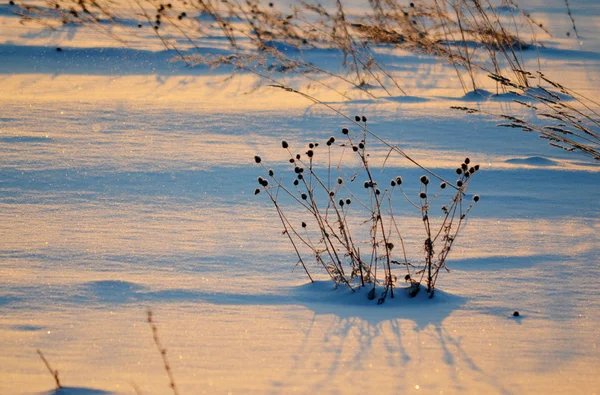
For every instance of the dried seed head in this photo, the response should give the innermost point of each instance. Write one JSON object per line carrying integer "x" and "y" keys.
{"x": 425, "y": 180}
{"x": 284, "y": 144}
{"x": 444, "y": 209}
{"x": 393, "y": 183}
{"x": 467, "y": 161}
{"x": 390, "y": 246}
{"x": 377, "y": 192}
{"x": 256, "y": 191}
{"x": 407, "y": 277}
{"x": 296, "y": 182}
{"x": 264, "y": 183}
{"x": 357, "y": 118}
{"x": 476, "y": 167}
{"x": 472, "y": 170}
{"x": 300, "y": 176}
{"x": 516, "y": 314}
{"x": 459, "y": 183}
{"x": 304, "y": 224}
{"x": 310, "y": 153}
{"x": 345, "y": 131}
{"x": 297, "y": 156}
{"x": 364, "y": 119}
{"x": 260, "y": 180}
{"x": 367, "y": 184}
{"x": 423, "y": 195}
{"x": 476, "y": 198}
{"x": 311, "y": 145}
{"x": 467, "y": 174}
{"x": 271, "y": 172}
{"x": 399, "y": 180}
{"x": 459, "y": 171}
{"x": 297, "y": 170}
{"x": 331, "y": 193}
{"x": 292, "y": 160}
{"x": 361, "y": 145}
{"x": 257, "y": 159}
{"x": 341, "y": 202}
{"x": 443, "y": 185}
{"x": 464, "y": 166}
{"x": 340, "y": 181}
{"x": 348, "y": 201}
{"x": 354, "y": 148}
{"x": 304, "y": 196}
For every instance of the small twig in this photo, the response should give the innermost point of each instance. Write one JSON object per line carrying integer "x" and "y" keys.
{"x": 53, "y": 372}
{"x": 163, "y": 353}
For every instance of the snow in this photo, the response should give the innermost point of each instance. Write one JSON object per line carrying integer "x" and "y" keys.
{"x": 126, "y": 184}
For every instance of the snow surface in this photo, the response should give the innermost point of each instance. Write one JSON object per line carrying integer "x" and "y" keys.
{"x": 126, "y": 183}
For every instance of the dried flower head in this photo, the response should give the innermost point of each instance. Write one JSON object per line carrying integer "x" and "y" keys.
{"x": 424, "y": 180}
{"x": 399, "y": 180}
{"x": 443, "y": 185}
{"x": 257, "y": 159}
{"x": 284, "y": 144}
{"x": 423, "y": 195}
{"x": 345, "y": 131}
{"x": 476, "y": 198}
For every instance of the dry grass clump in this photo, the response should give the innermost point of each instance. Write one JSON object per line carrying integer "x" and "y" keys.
{"x": 348, "y": 221}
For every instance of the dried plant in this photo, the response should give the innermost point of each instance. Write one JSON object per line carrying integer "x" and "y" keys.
{"x": 53, "y": 372}
{"x": 163, "y": 352}
{"x": 341, "y": 217}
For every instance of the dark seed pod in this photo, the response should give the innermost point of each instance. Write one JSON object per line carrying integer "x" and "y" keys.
{"x": 367, "y": 184}
{"x": 354, "y": 148}
{"x": 260, "y": 180}
{"x": 476, "y": 198}
{"x": 459, "y": 171}
{"x": 348, "y": 201}
{"x": 425, "y": 180}
{"x": 304, "y": 196}
{"x": 344, "y": 131}
{"x": 300, "y": 176}
{"x": 301, "y": 170}
{"x": 516, "y": 314}
{"x": 316, "y": 144}
{"x": 292, "y": 160}
{"x": 459, "y": 183}
{"x": 364, "y": 119}
{"x": 297, "y": 156}
{"x": 357, "y": 118}
{"x": 284, "y": 144}
{"x": 467, "y": 161}
{"x": 393, "y": 183}
{"x": 341, "y": 202}
{"x": 304, "y": 224}
{"x": 329, "y": 143}
{"x": 256, "y": 191}
{"x": 423, "y": 195}
{"x": 331, "y": 193}
{"x": 310, "y": 153}
{"x": 476, "y": 167}
{"x": 390, "y": 246}
{"x": 297, "y": 170}
{"x": 472, "y": 170}
{"x": 271, "y": 172}
{"x": 407, "y": 277}
{"x": 361, "y": 145}
{"x": 332, "y": 139}
{"x": 264, "y": 183}
{"x": 443, "y": 185}
{"x": 464, "y": 166}
{"x": 257, "y": 159}
{"x": 311, "y": 146}
{"x": 296, "y": 182}
{"x": 399, "y": 180}
{"x": 377, "y": 192}
{"x": 467, "y": 174}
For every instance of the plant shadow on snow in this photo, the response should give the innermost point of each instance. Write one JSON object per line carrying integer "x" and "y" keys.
{"x": 76, "y": 391}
